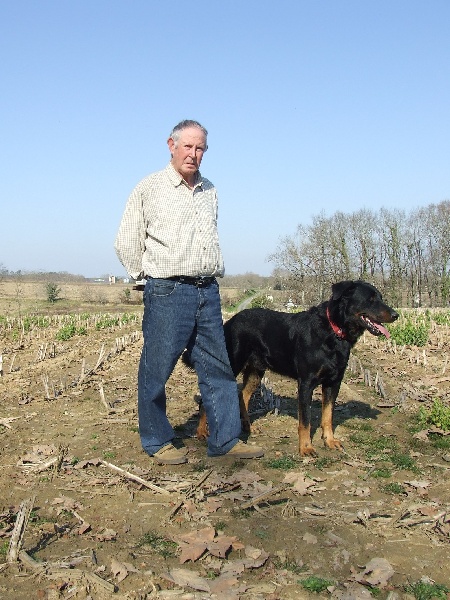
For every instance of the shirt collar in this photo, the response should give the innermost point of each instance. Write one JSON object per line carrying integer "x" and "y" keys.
{"x": 177, "y": 179}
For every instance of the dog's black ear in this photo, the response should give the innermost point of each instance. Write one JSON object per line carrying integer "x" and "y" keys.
{"x": 340, "y": 288}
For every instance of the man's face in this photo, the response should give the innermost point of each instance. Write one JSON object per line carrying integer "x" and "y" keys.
{"x": 187, "y": 152}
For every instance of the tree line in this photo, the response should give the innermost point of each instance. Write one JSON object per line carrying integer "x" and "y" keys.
{"x": 406, "y": 255}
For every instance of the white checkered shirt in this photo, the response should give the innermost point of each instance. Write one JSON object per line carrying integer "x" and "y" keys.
{"x": 167, "y": 229}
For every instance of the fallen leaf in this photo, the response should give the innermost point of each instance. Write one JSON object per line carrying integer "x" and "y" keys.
{"x": 118, "y": 570}
{"x": 361, "y": 492}
{"x": 191, "y": 551}
{"x": 83, "y": 528}
{"x": 220, "y": 546}
{"x": 250, "y": 563}
{"x": 106, "y": 535}
{"x": 186, "y": 578}
{"x": 233, "y": 567}
{"x": 252, "y": 552}
{"x": 333, "y": 539}
{"x": 418, "y": 484}
{"x": 309, "y": 538}
{"x": 376, "y": 573}
{"x": 207, "y": 534}
{"x": 212, "y": 505}
{"x": 222, "y": 583}
{"x": 300, "y": 482}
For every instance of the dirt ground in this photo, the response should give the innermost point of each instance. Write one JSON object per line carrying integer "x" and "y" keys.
{"x": 107, "y": 522}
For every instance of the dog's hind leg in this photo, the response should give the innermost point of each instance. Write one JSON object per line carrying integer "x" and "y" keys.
{"x": 202, "y": 427}
{"x": 251, "y": 380}
{"x": 329, "y": 395}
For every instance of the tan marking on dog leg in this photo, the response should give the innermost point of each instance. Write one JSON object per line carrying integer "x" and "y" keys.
{"x": 202, "y": 428}
{"x": 250, "y": 383}
{"x": 327, "y": 424}
{"x": 305, "y": 446}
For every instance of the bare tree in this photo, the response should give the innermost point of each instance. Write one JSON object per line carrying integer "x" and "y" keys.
{"x": 363, "y": 236}
{"x": 392, "y": 247}
{"x": 398, "y": 253}
{"x": 437, "y": 219}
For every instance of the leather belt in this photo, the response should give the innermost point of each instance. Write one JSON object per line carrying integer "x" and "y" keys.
{"x": 197, "y": 281}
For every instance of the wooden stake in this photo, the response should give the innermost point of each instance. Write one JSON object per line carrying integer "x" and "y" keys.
{"x": 19, "y": 529}
{"x": 102, "y": 397}
{"x": 12, "y": 363}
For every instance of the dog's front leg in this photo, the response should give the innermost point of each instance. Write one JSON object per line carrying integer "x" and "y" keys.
{"x": 329, "y": 395}
{"x": 305, "y": 446}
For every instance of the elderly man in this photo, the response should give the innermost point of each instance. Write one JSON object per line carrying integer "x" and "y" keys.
{"x": 168, "y": 235}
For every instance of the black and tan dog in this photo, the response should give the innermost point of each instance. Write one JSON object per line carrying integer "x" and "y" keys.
{"x": 312, "y": 347}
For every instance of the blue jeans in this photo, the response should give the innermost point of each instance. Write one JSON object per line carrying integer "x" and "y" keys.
{"x": 178, "y": 316}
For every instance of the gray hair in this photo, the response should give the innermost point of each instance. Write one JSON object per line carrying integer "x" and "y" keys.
{"x": 175, "y": 133}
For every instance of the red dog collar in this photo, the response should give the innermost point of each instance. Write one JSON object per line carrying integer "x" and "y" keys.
{"x": 337, "y": 330}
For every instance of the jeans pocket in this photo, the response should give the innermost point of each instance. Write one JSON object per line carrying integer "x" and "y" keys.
{"x": 162, "y": 287}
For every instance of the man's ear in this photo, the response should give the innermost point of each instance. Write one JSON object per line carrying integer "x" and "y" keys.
{"x": 171, "y": 145}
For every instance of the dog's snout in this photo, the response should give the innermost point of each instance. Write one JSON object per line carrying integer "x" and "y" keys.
{"x": 394, "y": 315}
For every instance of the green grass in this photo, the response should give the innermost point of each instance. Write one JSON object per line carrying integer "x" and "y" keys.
{"x": 262, "y": 534}
{"x": 284, "y": 463}
{"x": 404, "y": 462}
{"x": 358, "y": 425}
{"x": 325, "y": 462}
{"x": 315, "y": 584}
{"x": 411, "y": 329}
{"x": 438, "y": 415}
{"x": 4, "y": 550}
{"x": 382, "y": 472}
{"x": 159, "y": 544}
{"x": 439, "y": 442}
{"x": 290, "y": 565}
{"x": 396, "y": 489}
{"x": 374, "y": 447}
{"x": 199, "y": 467}
{"x": 422, "y": 590}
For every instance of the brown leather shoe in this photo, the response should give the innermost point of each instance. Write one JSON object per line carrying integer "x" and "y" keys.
{"x": 243, "y": 450}
{"x": 169, "y": 455}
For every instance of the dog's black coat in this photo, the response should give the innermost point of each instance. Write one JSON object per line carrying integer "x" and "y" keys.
{"x": 312, "y": 347}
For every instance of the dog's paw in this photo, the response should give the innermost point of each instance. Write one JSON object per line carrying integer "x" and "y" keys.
{"x": 201, "y": 434}
{"x": 334, "y": 444}
{"x": 307, "y": 451}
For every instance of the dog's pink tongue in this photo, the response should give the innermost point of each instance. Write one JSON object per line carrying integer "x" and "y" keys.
{"x": 382, "y": 329}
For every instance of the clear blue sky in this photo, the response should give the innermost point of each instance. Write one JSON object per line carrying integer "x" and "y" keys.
{"x": 318, "y": 105}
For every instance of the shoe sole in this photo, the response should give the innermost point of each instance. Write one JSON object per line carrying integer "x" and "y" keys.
{"x": 240, "y": 455}
{"x": 173, "y": 461}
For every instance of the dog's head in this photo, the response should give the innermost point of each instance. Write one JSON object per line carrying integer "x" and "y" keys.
{"x": 356, "y": 306}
